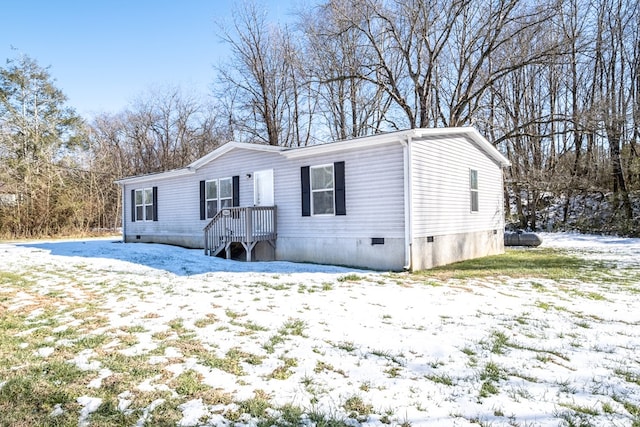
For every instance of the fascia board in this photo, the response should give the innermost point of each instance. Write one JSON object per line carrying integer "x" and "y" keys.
{"x": 154, "y": 176}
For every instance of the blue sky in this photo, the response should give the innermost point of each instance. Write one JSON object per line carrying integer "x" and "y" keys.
{"x": 103, "y": 54}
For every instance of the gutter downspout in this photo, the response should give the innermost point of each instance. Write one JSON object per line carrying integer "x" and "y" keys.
{"x": 124, "y": 217}
{"x": 408, "y": 229}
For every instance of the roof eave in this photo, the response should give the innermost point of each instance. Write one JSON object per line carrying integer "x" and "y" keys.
{"x": 154, "y": 176}
{"x": 197, "y": 164}
{"x": 347, "y": 144}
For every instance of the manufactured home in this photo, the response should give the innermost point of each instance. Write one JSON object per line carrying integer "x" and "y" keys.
{"x": 409, "y": 200}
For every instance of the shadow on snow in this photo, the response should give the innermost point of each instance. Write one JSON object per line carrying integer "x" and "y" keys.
{"x": 177, "y": 260}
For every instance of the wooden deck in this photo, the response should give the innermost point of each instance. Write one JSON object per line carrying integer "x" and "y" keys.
{"x": 245, "y": 225}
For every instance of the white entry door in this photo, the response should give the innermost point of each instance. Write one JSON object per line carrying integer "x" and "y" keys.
{"x": 263, "y": 188}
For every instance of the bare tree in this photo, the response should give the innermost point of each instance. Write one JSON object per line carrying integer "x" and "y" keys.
{"x": 613, "y": 53}
{"x": 337, "y": 56}
{"x": 163, "y": 129}
{"x": 262, "y": 77}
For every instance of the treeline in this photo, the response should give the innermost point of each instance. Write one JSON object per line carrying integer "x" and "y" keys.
{"x": 554, "y": 85}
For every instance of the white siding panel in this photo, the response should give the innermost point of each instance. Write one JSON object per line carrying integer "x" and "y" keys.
{"x": 374, "y": 196}
{"x": 374, "y": 187}
{"x": 241, "y": 162}
{"x": 179, "y": 197}
{"x": 441, "y": 192}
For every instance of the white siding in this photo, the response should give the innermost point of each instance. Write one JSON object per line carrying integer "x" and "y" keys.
{"x": 443, "y": 227}
{"x": 179, "y": 197}
{"x": 440, "y": 188}
{"x": 374, "y": 196}
{"x": 241, "y": 162}
{"x": 373, "y": 181}
{"x": 177, "y": 206}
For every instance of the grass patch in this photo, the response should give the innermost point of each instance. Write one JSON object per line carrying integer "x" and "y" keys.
{"x": 293, "y": 327}
{"x": 256, "y": 406}
{"x": 347, "y": 346}
{"x": 232, "y": 362}
{"x": 27, "y": 397}
{"x": 628, "y": 376}
{"x": 252, "y": 326}
{"x": 209, "y": 319}
{"x": 356, "y": 407}
{"x": 188, "y": 384}
{"x": 351, "y": 277}
{"x": 395, "y": 358}
{"x": 518, "y": 263}
{"x": 499, "y": 341}
{"x": 283, "y": 372}
{"x": 490, "y": 377}
{"x": 17, "y": 280}
{"x": 440, "y": 379}
{"x": 323, "y": 366}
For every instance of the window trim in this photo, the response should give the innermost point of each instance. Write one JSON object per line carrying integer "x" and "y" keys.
{"x": 474, "y": 194}
{"x": 218, "y": 199}
{"x": 332, "y": 189}
{"x": 144, "y": 205}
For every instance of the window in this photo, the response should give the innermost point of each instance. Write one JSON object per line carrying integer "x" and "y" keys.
{"x": 144, "y": 203}
{"x": 218, "y": 195}
{"x": 473, "y": 188}
{"x": 322, "y": 190}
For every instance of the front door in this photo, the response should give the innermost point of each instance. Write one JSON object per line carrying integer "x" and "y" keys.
{"x": 263, "y": 188}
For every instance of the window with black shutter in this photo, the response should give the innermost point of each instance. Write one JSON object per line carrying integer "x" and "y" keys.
{"x": 323, "y": 189}
{"x": 217, "y": 194}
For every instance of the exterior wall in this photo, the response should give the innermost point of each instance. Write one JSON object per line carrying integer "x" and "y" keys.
{"x": 179, "y": 198}
{"x": 450, "y": 248}
{"x": 443, "y": 228}
{"x": 349, "y": 251}
{"x": 441, "y": 200}
{"x": 374, "y": 209}
{"x": 374, "y": 204}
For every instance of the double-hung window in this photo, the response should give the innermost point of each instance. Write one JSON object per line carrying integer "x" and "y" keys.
{"x": 218, "y": 195}
{"x": 322, "y": 190}
{"x": 473, "y": 189}
{"x": 144, "y": 204}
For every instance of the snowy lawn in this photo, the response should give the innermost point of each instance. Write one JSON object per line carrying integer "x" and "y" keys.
{"x": 97, "y": 332}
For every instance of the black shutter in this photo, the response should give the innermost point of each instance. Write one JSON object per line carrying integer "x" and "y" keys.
{"x": 155, "y": 203}
{"x": 236, "y": 191}
{"x": 306, "y": 191}
{"x": 203, "y": 211}
{"x": 338, "y": 175}
{"x": 133, "y": 205}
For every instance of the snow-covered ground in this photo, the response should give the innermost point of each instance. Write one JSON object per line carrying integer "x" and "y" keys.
{"x": 408, "y": 349}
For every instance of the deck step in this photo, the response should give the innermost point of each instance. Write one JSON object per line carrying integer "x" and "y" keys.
{"x": 245, "y": 225}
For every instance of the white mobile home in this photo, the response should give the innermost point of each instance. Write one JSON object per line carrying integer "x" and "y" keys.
{"x": 412, "y": 199}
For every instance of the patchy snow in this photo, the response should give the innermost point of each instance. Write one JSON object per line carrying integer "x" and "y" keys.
{"x": 414, "y": 349}
{"x": 57, "y": 411}
{"x": 124, "y": 400}
{"x": 97, "y": 382}
{"x": 621, "y": 251}
{"x": 89, "y": 405}
{"x": 45, "y": 351}
{"x": 145, "y": 413}
{"x": 193, "y": 411}
{"x": 83, "y": 361}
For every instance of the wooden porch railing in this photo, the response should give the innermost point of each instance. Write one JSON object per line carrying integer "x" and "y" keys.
{"x": 248, "y": 226}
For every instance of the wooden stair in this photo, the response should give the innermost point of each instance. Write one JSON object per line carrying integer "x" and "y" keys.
{"x": 245, "y": 225}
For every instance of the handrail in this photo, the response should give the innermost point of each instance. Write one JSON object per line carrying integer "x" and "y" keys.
{"x": 246, "y": 225}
